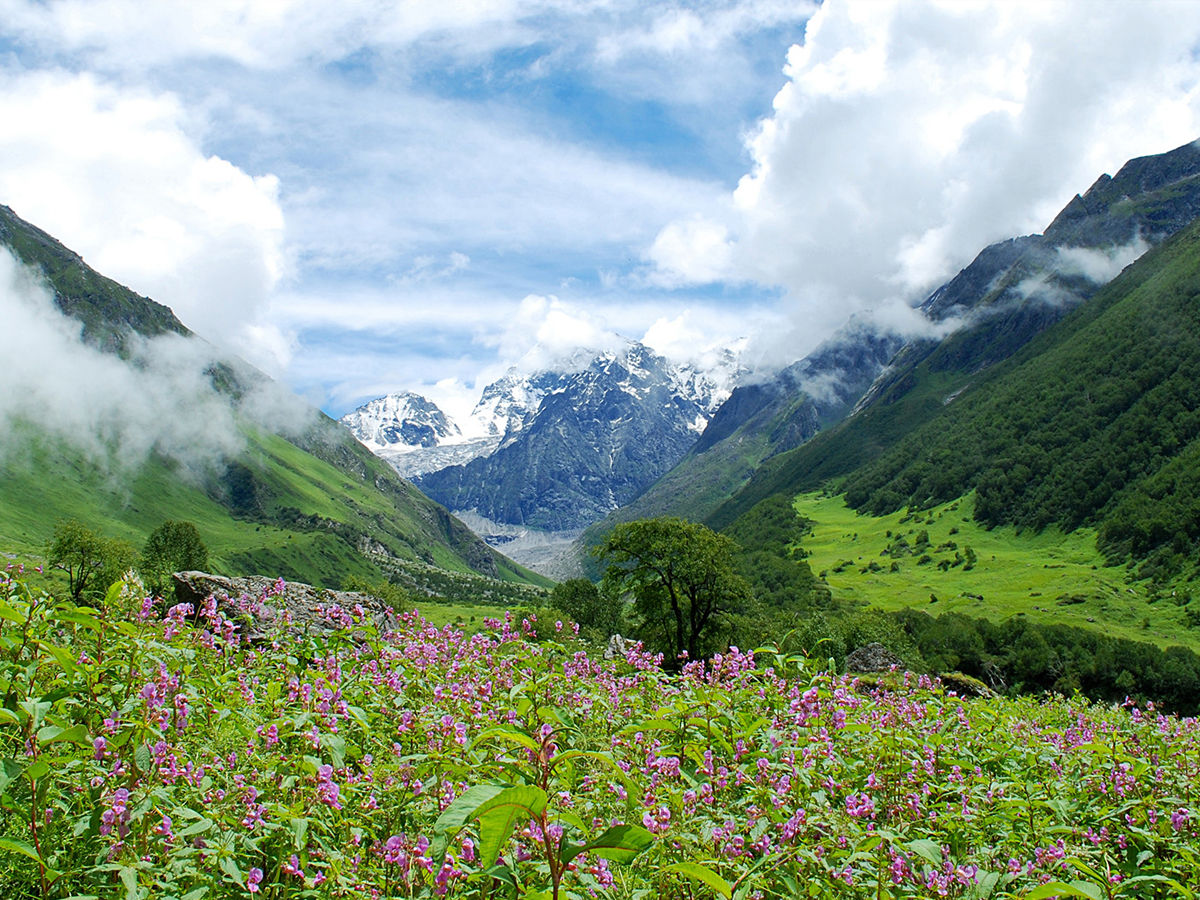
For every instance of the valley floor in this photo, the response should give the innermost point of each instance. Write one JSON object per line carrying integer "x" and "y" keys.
{"x": 1049, "y": 576}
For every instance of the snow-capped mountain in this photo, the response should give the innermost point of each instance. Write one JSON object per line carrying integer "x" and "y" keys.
{"x": 555, "y": 449}
{"x": 401, "y": 420}
{"x": 414, "y": 435}
{"x": 601, "y": 433}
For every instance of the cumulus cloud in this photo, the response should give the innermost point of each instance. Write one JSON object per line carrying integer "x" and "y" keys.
{"x": 114, "y": 173}
{"x": 547, "y": 332}
{"x": 909, "y": 135}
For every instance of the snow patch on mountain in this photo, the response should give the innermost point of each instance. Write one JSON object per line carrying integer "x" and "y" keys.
{"x": 416, "y": 437}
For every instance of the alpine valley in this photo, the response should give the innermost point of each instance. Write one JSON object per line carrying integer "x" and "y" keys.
{"x": 545, "y": 454}
{"x": 281, "y": 489}
{"x": 1047, "y": 402}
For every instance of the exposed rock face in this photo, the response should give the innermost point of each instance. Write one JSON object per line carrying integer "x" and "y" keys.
{"x": 618, "y": 646}
{"x": 873, "y": 657}
{"x": 599, "y": 436}
{"x": 264, "y": 601}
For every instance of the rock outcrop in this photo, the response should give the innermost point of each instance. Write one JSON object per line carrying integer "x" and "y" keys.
{"x": 873, "y": 657}
{"x": 261, "y": 603}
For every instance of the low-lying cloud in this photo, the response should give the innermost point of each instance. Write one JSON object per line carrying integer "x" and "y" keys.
{"x": 117, "y": 174}
{"x": 117, "y": 412}
{"x": 1099, "y": 266}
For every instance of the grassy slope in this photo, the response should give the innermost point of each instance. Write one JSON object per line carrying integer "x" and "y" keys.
{"x": 318, "y": 498}
{"x": 1048, "y": 576}
{"x": 41, "y": 486}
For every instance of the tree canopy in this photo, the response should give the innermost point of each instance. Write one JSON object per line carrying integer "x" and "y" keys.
{"x": 683, "y": 580}
{"x": 585, "y": 604}
{"x": 91, "y": 561}
{"x": 172, "y": 547}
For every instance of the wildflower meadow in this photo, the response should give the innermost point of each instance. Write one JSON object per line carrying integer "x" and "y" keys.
{"x": 151, "y": 752}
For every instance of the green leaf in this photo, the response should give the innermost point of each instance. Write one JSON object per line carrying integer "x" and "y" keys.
{"x": 508, "y": 734}
{"x": 299, "y": 829}
{"x": 76, "y": 734}
{"x": 1085, "y": 869}
{"x": 196, "y": 894}
{"x": 7, "y": 612}
{"x": 986, "y": 884}
{"x": 230, "y": 867}
{"x": 15, "y": 846}
{"x": 129, "y": 878}
{"x": 8, "y": 717}
{"x": 704, "y": 875}
{"x": 498, "y": 816}
{"x": 79, "y": 617}
{"x": 1163, "y": 879}
{"x": 620, "y": 843}
{"x": 197, "y": 828}
{"x": 62, "y": 656}
{"x": 35, "y": 709}
{"x": 1062, "y": 889}
{"x": 113, "y": 594}
{"x": 928, "y": 850}
{"x": 462, "y": 810}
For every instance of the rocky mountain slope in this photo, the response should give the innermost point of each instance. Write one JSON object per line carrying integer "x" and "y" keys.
{"x": 599, "y": 434}
{"x": 415, "y": 436}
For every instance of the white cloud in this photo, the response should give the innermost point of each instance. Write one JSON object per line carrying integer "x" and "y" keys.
{"x": 113, "y": 173}
{"x": 114, "y": 412}
{"x": 909, "y": 135}
{"x": 131, "y": 33}
{"x": 692, "y": 250}
{"x": 546, "y": 331}
{"x": 1100, "y": 266}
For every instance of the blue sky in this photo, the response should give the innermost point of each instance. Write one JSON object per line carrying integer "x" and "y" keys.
{"x": 369, "y": 196}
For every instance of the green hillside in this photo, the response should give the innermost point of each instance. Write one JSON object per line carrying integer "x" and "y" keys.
{"x": 1058, "y": 433}
{"x": 1056, "y": 489}
{"x": 941, "y": 560}
{"x": 315, "y": 506}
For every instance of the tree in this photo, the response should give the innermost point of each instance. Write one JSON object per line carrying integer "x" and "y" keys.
{"x": 682, "y": 578}
{"x": 396, "y": 597}
{"x": 582, "y": 602}
{"x": 171, "y": 547}
{"x": 90, "y": 560}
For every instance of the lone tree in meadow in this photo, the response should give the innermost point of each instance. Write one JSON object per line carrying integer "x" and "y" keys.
{"x": 92, "y": 562}
{"x": 682, "y": 578}
{"x": 171, "y": 547}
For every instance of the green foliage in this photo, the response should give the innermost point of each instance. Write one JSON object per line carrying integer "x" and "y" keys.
{"x": 1099, "y": 418}
{"x": 164, "y": 758}
{"x": 172, "y": 547}
{"x": 1025, "y": 656}
{"x": 392, "y": 594}
{"x": 1092, "y": 422}
{"x": 91, "y": 561}
{"x": 683, "y": 580}
{"x": 581, "y": 601}
{"x": 322, "y": 519}
{"x": 1047, "y": 576}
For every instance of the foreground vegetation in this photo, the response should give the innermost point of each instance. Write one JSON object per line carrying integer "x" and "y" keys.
{"x": 151, "y": 753}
